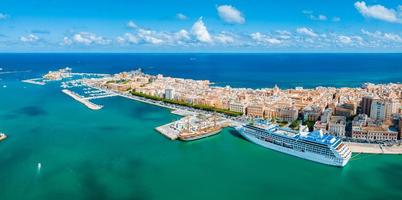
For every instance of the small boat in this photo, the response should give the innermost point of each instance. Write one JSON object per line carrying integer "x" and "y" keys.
{"x": 2, "y": 136}
{"x": 39, "y": 166}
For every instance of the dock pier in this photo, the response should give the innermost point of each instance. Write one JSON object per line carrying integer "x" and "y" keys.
{"x": 34, "y": 81}
{"x": 82, "y": 100}
{"x": 168, "y": 131}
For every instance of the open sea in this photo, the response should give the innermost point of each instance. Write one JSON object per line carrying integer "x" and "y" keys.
{"x": 115, "y": 153}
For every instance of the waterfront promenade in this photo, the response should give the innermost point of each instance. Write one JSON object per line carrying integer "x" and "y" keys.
{"x": 175, "y": 109}
{"x": 373, "y": 148}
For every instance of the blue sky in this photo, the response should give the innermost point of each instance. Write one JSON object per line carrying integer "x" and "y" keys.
{"x": 200, "y": 26}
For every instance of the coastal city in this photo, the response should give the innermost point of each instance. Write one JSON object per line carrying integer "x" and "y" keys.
{"x": 200, "y": 100}
{"x": 368, "y": 119}
{"x": 369, "y": 113}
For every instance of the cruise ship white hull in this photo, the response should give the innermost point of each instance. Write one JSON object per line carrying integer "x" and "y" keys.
{"x": 305, "y": 155}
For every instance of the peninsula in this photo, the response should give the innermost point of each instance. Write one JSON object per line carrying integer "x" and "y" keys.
{"x": 368, "y": 114}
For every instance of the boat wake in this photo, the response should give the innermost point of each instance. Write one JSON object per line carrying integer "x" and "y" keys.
{"x": 38, "y": 168}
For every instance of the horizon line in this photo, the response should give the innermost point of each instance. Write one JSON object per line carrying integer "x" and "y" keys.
{"x": 212, "y": 52}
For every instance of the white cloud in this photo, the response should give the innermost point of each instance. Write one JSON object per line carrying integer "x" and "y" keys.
{"x": 372, "y": 34}
{"x": 310, "y": 14}
{"x": 306, "y": 31}
{"x": 85, "y": 38}
{"x": 170, "y": 38}
{"x": 3, "y": 16}
{"x": 150, "y": 36}
{"x": 120, "y": 40}
{"x": 29, "y": 38}
{"x": 182, "y": 35}
{"x": 344, "y": 39}
{"x": 283, "y": 32}
{"x": 131, "y": 24}
{"x": 230, "y": 14}
{"x": 224, "y": 38}
{"x": 144, "y": 36}
{"x": 390, "y": 37}
{"x": 66, "y": 41}
{"x": 181, "y": 16}
{"x": 200, "y": 31}
{"x": 128, "y": 37}
{"x": 378, "y": 12}
{"x": 265, "y": 39}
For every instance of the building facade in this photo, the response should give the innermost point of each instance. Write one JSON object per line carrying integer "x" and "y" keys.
{"x": 337, "y": 125}
{"x": 377, "y": 110}
{"x": 169, "y": 93}
{"x": 255, "y": 111}
{"x": 366, "y": 105}
{"x": 374, "y": 133}
{"x": 287, "y": 114}
{"x": 237, "y": 107}
{"x": 326, "y": 115}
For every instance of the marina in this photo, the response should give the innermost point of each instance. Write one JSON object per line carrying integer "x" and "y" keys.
{"x": 194, "y": 124}
{"x": 74, "y": 81}
{"x": 90, "y": 93}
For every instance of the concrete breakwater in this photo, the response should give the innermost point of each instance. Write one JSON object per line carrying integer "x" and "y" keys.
{"x": 168, "y": 131}
{"x": 82, "y": 100}
{"x": 34, "y": 81}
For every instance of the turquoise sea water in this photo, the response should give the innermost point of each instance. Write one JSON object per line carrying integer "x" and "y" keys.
{"x": 115, "y": 153}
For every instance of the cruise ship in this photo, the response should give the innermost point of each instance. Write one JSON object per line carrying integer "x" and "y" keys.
{"x": 315, "y": 146}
